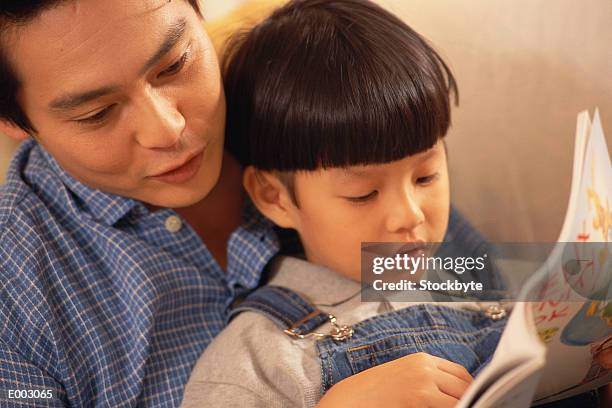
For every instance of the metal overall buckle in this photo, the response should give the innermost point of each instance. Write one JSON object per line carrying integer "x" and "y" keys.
{"x": 496, "y": 311}
{"x": 337, "y": 332}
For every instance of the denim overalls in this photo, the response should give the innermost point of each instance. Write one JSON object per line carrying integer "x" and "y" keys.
{"x": 465, "y": 337}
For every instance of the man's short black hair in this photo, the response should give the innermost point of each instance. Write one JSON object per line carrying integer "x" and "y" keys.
{"x": 333, "y": 83}
{"x": 15, "y": 12}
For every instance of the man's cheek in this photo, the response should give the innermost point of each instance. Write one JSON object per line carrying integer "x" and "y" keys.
{"x": 98, "y": 165}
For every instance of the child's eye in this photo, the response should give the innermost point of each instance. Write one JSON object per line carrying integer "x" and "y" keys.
{"x": 363, "y": 198}
{"x": 427, "y": 179}
{"x": 97, "y": 118}
{"x": 176, "y": 67}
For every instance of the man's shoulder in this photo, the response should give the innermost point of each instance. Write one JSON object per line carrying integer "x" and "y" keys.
{"x": 25, "y": 225}
{"x": 22, "y": 213}
{"x": 21, "y": 244}
{"x": 19, "y": 209}
{"x": 15, "y": 190}
{"x": 22, "y": 249}
{"x": 24, "y": 308}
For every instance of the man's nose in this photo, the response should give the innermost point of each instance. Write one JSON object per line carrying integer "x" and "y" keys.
{"x": 161, "y": 123}
{"x": 404, "y": 213}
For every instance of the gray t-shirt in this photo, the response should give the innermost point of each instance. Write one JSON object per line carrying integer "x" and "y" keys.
{"x": 252, "y": 363}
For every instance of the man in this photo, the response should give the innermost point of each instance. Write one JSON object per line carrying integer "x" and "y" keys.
{"x": 123, "y": 241}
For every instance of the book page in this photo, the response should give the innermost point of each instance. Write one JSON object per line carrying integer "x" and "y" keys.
{"x": 546, "y": 351}
{"x": 573, "y": 320}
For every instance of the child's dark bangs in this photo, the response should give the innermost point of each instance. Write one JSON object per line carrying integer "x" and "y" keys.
{"x": 353, "y": 86}
{"x": 371, "y": 107}
{"x": 366, "y": 95}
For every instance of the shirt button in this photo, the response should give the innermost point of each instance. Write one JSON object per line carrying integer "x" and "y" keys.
{"x": 173, "y": 223}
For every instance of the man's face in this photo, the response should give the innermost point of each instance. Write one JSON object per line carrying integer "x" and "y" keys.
{"x": 126, "y": 95}
{"x": 405, "y": 201}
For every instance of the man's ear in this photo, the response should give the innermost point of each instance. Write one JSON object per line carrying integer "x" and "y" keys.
{"x": 13, "y": 131}
{"x": 270, "y": 196}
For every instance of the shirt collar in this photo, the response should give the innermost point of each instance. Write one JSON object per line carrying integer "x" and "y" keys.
{"x": 251, "y": 246}
{"x": 103, "y": 207}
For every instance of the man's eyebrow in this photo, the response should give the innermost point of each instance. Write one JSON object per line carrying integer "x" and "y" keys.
{"x": 173, "y": 36}
{"x": 71, "y": 101}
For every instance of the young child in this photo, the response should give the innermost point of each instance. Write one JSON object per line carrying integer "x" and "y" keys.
{"x": 338, "y": 110}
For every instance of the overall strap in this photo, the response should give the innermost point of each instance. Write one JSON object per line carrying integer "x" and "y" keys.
{"x": 284, "y": 307}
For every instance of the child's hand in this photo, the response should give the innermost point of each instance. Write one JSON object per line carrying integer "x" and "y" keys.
{"x": 604, "y": 359}
{"x": 604, "y": 354}
{"x": 417, "y": 380}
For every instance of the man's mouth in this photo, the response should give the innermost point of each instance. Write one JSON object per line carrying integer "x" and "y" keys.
{"x": 182, "y": 171}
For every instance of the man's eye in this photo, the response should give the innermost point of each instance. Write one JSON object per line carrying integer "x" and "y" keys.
{"x": 176, "y": 67}
{"x": 363, "y": 198}
{"x": 427, "y": 179}
{"x": 96, "y": 118}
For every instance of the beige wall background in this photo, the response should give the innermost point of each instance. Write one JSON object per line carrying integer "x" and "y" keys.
{"x": 525, "y": 69}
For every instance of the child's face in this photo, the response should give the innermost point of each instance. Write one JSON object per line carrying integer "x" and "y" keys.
{"x": 402, "y": 201}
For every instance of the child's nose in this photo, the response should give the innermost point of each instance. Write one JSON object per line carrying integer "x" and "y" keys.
{"x": 404, "y": 214}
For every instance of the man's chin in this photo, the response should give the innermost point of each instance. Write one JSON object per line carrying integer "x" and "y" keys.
{"x": 173, "y": 199}
{"x": 169, "y": 195}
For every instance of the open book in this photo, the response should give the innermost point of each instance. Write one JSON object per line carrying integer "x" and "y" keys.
{"x": 546, "y": 350}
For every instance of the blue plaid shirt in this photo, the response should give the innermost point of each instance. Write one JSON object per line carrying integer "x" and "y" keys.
{"x": 103, "y": 303}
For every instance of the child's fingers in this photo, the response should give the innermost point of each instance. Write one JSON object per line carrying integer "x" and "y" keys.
{"x": 604, "y": 357}
{"x": 441, "y": 400}
{"x": 451, "y": 385}
{"x": 455, "y": 369}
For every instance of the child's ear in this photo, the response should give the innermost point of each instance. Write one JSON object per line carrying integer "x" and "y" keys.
{"x": 270, "y": 196}
{"x": 13, "y": 131}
